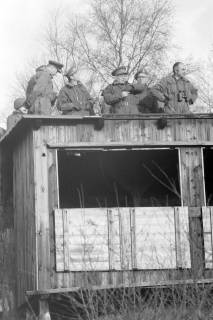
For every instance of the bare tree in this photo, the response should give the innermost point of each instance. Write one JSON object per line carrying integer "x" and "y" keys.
{"x": 204, "y": 80}
{"x": 111, "y": 33}
{"x": 115, "y": 32}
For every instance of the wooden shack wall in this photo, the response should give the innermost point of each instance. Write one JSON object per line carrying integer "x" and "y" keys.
{"x": 7, "y": 250}
{"x": 23, "y": 201}
{"x": 131, "y": 132}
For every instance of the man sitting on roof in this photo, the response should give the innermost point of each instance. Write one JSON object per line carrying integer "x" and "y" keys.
{"x": 121, "y": 95}
{"x": 19, "y": 110}
{"x": 42, "y": 96}
{"x": 73, "y": 98}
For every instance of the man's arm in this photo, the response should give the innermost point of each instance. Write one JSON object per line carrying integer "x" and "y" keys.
{"x": 63, "y": 103}
{"x": 137, "y": 88}
{"x": 159, "y": 91}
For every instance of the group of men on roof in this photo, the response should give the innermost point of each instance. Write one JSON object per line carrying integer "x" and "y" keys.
{"x": 174, "y": 92}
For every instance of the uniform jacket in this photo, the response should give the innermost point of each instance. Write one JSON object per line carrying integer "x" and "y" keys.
{"x": 124, "y": 105}
{"x": 167, "y": 91}
{"x": 40, "y": 87}
{"x": 147, "y": 103}
{"x": 74, "y": 99}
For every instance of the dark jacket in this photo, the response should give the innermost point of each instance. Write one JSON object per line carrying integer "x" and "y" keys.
{"x": 146, "y": 102}
{"x": 177, "y": 95}
{"x": 123, "y": 105}
{"x": 74, "y": 99}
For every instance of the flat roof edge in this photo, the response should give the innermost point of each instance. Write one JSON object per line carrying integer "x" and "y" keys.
{"x": 28, "y": 120}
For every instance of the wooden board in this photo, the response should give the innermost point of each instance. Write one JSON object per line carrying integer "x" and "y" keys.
{"x": 182, "y": 237}
{"x": 114, "y": 239}
{"x": 24, "y": 216}
{"x": 207, "y": 213}
{"x": 42, "y": 210}
{"x": 192, "y": 185}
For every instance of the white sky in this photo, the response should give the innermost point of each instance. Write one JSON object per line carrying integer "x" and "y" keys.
{"x": 22, "y": 22}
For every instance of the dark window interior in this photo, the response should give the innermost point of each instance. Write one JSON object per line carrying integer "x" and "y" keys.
{"x": 208, "y": 175}
{"x": 113, "y": 178}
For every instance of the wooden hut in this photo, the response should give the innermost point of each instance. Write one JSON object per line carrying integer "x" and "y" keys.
{"x": 90, "y": 202}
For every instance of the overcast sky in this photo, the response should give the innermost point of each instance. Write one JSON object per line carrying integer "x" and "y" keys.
{"x": 22, "y": 22}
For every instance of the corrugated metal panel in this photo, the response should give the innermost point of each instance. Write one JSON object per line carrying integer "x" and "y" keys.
{"x": 85, "y": 240}
{"x": 155, "y": 238}
{"x": 122, "y": 238}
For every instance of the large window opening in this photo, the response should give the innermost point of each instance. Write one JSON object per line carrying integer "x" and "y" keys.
{"x": 208, "y": 175}
{"x": 118, "y": 178}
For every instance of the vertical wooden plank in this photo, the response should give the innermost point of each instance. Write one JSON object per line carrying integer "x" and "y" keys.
{"x": 196, "y": 241}
{"x": 114, "y": 239}
{"x": 133, "y": 237}
{"x": 125, "y": 239}
{"x": 23, "y": 204}
{"x": 192, "y": 177}
{"x": 207, "y": 235}
{"x": 193, "y": 195}
{"x": 59, "y": 241}
{"x": 182, "y": 237}
{"x": 42, "y": 210}
{"x": 65, "y": 216}
{"x": 57, "y": 279}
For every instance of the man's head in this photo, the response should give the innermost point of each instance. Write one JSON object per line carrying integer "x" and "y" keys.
{"x": 141, "y": 76}
{"x": 53, "y": 67}
{"x": 179, "y": 69}
{"x": 70, "y": 75}
{"x": 120, "y": 74}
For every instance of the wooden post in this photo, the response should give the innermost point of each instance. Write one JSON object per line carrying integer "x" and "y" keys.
{"x": 44, "y": 313}
{"x": 42, "y": 212}
{"x": 193, "y": 196}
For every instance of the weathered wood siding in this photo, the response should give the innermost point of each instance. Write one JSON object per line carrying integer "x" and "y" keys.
{"x": 193, "y": 196}
{"x": 23, "y": 201}
{"x": 192, "y": 177}
{"x": 7, "y": 272}
{"x": 138, "y": 132}
{"x": 131, "y": 131}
